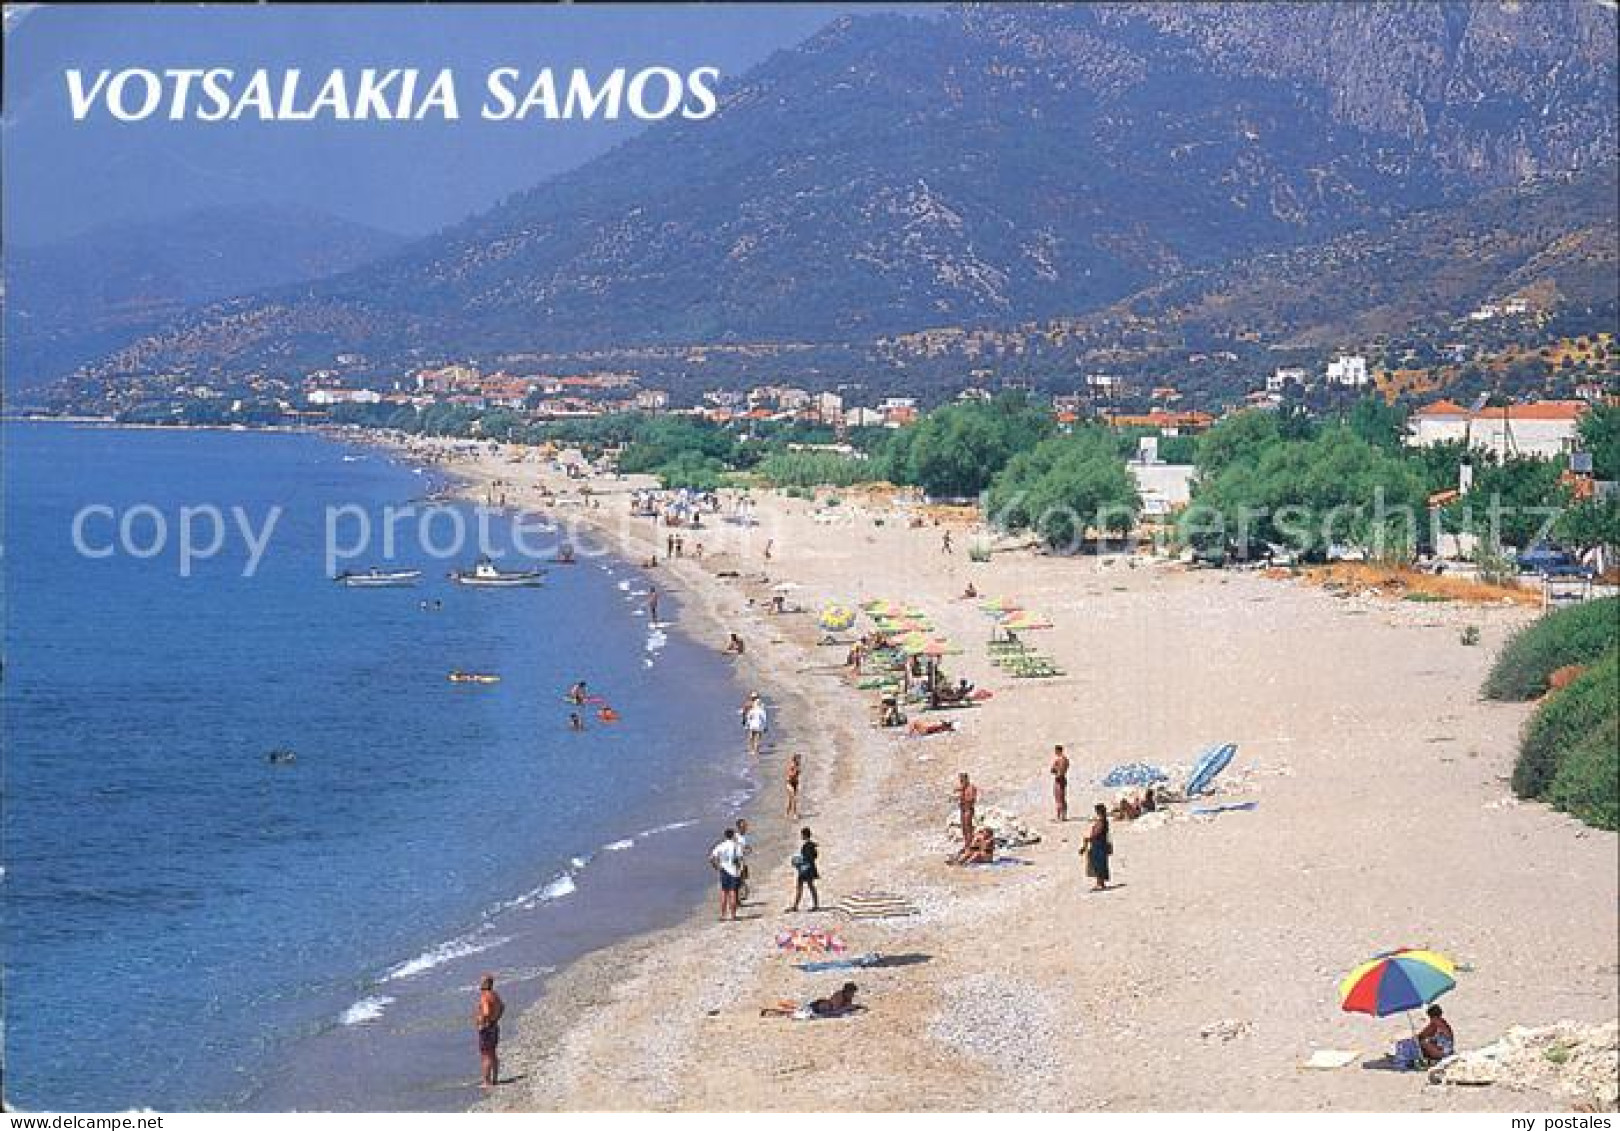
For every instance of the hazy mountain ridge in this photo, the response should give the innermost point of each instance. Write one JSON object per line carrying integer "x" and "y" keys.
{"x": 993, "y": 167}
{"x": 71, "y": 300}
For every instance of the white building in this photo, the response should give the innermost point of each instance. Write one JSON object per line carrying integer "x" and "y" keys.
{"x": 1282, "y": 377}
{"x": 1348, "y": 369}
{"x": 651, "y": 400}
{"x": 862, "y": 418}
{"x": 1544, "y": 429}
{"x": 827, "y": 406}
{"x": 329, "y": 397}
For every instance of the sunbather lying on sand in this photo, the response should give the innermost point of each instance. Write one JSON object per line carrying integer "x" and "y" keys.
{"x": 926, "y": 727}
{"x": 835, "y": 1005}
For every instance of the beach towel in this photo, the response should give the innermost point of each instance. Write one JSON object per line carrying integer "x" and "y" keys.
{"x": 874, "y": 905}
{"x": 998, "y": 862}
{"x": 1330, "y": 1059}
{"x": 856, "y": 962}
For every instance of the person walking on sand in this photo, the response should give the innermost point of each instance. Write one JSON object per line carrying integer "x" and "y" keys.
{"x": 487, "y": 1020}
{"x": 652, "y": 604}
{"x": 967, "y": 800}
{"x": 770, "y": 543}
{"x": 805, "y": 871}
{"x": 945, "y": 543}
{"x": 1097, "y": 848}
{"x": 791, "y": 778}
{"x": 726, "y": 859}
{"x": 756, "y": 722}
{"x": 1060, "y": 782}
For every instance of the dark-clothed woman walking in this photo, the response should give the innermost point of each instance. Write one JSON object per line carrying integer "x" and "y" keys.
{"x": 805, "y": 872}
{"x": 1097, "y": 847}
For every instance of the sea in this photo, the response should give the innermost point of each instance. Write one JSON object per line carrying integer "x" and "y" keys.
{"x": 257, "y": 847}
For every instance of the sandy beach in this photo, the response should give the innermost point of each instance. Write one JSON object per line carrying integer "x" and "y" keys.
{"x": 1208, "y": 976}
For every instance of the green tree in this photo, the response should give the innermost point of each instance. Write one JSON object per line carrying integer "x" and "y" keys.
{"x": 1238, "y": 438}
{"x": 1600, "y": 435}
{"x": 1064, "y": 487}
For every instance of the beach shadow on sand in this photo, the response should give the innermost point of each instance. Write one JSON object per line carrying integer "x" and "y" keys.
{"x": 890, "y": 960}
{"x": 1387, "y": 1063}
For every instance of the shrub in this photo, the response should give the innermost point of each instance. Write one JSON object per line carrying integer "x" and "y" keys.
{"x": 1569, "y": 720}
{"x": 1587, "y": 784}
{"x": 1576, "y": 635}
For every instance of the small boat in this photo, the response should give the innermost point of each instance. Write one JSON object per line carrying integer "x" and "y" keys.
{"x": 473, "y": 677}
{"x": 484, "y": 573}
{"x": 375, "y": 578}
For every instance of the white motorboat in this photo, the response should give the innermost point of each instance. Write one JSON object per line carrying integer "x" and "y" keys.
{"x": 484, "y": 573}
{"x": 375, "y": 578}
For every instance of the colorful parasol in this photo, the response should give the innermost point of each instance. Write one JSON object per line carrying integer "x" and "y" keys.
{"x": 1396, "y": 982}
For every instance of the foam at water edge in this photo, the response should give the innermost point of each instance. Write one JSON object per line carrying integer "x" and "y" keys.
{"x": 445, "y": 952}
{"x": 619, "y": 845}
{"x": 366, "y": 1009}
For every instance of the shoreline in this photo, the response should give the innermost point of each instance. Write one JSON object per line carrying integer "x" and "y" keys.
{"x": 1004, "y": 958}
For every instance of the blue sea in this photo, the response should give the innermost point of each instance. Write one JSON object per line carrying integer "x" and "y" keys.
{"x": 190, "y": 926}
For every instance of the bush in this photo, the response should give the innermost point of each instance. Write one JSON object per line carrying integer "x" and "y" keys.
{"x": 1576, "y": 635}
{"x": 1587, "y": 784}
{"x": 813, "y": 469}
{"x": 1566, "y": 723}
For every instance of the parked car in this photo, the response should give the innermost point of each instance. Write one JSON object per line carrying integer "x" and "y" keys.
{"x": 1550, "y": 560}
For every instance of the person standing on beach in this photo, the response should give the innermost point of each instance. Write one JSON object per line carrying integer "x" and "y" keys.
{"x": 756, "y": 722}
{"x": 1060, "y": 782}
{"x": 652, "y": 604}
{"x": 487, "y": 1020}
{"x": 792, "y": 779}
{"x": 745, "y": 849}
{"x": 967, "y": 800}
{"x": 726, "y": 859}
{"x": 805, "y": 871}
{"x": 770, "y": 543}
{"x": 945, "y": 543}
{"x": 1097, "y": 847}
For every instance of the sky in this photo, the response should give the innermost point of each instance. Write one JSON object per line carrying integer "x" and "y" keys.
{"x": 62, "y": 176}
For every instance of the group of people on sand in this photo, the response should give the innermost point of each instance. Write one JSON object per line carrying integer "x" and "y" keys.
{"x": 729, "y": 859}
{"x": 979, "y": 841}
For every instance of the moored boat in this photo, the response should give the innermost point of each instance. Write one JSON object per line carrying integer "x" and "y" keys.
{"x": 375, "y": 578}
{"x": 484, "y": 573}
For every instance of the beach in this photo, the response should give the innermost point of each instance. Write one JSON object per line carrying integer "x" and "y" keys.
{"x": 1208, "y": 976}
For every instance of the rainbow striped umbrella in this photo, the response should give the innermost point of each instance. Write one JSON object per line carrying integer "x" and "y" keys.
{"x": 1396, "y": 982}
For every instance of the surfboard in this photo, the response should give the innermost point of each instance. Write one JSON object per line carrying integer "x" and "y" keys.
{"x": 1210, "y": 763}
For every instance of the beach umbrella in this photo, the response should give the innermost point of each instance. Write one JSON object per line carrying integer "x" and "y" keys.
{"x": 1023, "y": 621}
{"x": 836, "y": 618}
{"x": 1000, "y": 606}
{"x": 1398, "y": 981}
{"x": 786, "y": 587}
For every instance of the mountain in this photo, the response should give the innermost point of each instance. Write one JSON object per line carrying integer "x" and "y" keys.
{"x": 1551, "y": 241}
{"x": 72, "y": 300}
{"x": 995, "y": 165}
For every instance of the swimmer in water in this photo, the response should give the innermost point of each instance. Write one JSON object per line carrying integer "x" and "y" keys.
{"x": 577, "y": 693}
{"x": 575, "y": 722}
